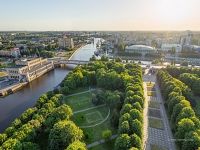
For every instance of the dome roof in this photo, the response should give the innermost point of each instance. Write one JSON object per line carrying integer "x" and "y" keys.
{"x": 140, "y": 47}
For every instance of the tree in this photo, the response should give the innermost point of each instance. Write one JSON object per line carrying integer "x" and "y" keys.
{"x": 64, "y": 112}
{"x": 3, "y": 138}
{"x": 93, "y": 58}
{"x": 192, "y": 140}
{"x": 184, "y": 126}
{"x": 106, "y": 134}
{"x": 136, "y": 127}
{"x": 124, "y": 128}
{"x": 112, "y": 99}
{"x": 118, "y": 59}
{"x": 186, "y": 112}
{"x": 63, "y": 134}
{"x": 177, "y": 109}
{"x": 136, "y": 114}
{"x": 136, "y": 141}
{"x": 77, "y": 145}
{"x": 12, "y": 144}
{"x": 115, "y": 118}
{"x": 30, "y": 146}
{"x": 126, "y": 109}
{"x": 123, "y": 142}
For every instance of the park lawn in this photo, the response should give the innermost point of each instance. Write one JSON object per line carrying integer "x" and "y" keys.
{"x": 78, "y": 90}
{"x": 105, "y": 146}
{"x": 80, "y": 101}
{"x": 156, "y": 123}
{"x": 91, "y": 117}
{"x": 89, "y": 121}
{"x": 95, "y": 133}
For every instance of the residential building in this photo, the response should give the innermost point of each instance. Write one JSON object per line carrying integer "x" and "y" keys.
{"x": 15, "y": 52}
{"x": 66, "y": 42}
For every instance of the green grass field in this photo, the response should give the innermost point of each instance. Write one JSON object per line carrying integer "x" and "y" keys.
{"x": 91, "y": 117}
{"x": 79, "y": 102}
{"x": 93, "y": 121}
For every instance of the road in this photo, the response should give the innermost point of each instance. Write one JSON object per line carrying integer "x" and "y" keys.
{"x": 162, "y": 137}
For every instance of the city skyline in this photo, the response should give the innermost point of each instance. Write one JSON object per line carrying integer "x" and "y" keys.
{"x": 90, "y": 15}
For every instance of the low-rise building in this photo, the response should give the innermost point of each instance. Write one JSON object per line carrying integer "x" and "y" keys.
{"x": 170, "y": 47}
{"x": 143, "y": 49}
{"x": 27, "y": 70}
{"x": 15, "y": 52}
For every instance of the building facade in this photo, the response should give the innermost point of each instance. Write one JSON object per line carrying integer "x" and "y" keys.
{"x": 143, "y": 49}
{"x": 170, "y": 47}
{"x": 66, "y": 42}
{"x": 27, "y": 70}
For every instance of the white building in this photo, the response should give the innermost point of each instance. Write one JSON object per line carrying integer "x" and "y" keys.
{"x": 66, "y": 42}
{"x": 169, "y": 47}
{"x": 29, "y": 69}
{"x": 143, "y": 49}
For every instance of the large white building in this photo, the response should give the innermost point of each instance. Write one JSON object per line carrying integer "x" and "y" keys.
{"x": 143, "y": 49}
{"x": 170, "y": 47}
{"x": 29, "y": 69}
{"x": 66, "y": 42}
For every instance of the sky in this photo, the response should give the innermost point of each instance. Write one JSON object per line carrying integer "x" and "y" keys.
{"x": 106, "y": 15}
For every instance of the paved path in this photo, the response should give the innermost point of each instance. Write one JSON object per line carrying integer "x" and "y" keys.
{"x": 89, "y": 108}
{"x": 154, "y": 136}
{"x": 90, "y": 90}
{"x": 100, "y": 141}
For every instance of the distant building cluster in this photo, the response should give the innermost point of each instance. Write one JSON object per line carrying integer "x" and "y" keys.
{"x": 66, "y": 42}
{"x": 14, "y": 52}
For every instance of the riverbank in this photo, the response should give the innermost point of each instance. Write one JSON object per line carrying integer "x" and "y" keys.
{"x": 12, "y": 88}
{"x": 12, "y": 106}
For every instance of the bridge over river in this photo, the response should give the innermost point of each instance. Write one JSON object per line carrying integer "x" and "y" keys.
{"x": 60, "y": 61}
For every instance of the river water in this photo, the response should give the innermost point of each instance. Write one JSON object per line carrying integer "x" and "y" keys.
{"x": 15, "y": 104}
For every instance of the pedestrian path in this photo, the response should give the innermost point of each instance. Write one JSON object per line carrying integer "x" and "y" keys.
{"x": 157, "y": 132}
{"x": 100, "y": 141}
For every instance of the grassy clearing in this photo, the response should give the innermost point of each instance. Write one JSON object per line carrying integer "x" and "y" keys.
{"x": 78, "y": 90}
{"x": 80, "y": 101}
{"x": 91, "y": 117}
{"x": 154, "y": 104}
{"x": 105, "y": 146}
{"x": 156, "y": 123}
{"x": 95, "y": 133}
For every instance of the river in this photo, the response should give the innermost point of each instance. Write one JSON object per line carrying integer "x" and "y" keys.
{"x": 15, "y": 104}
